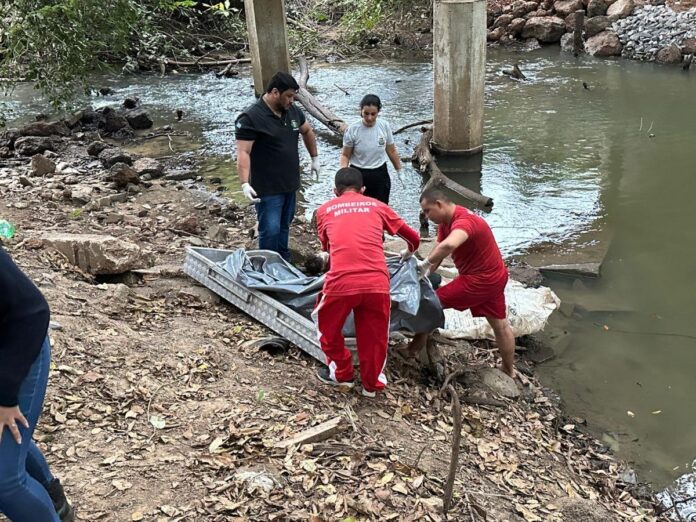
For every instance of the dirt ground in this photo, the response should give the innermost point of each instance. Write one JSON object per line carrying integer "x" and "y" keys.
{"x": 160, "y": 406}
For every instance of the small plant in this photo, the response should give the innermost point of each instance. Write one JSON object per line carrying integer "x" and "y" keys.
{"x": 75, "y": 214}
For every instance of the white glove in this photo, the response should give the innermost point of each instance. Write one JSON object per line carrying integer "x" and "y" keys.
{"x": 423, "y": 268}
{"x": 405, "y": 254}
{"x": 316, "y": 167}
{"x": 250, "y": 193}
{"x": 401, "y": 179}
{"x": 324, "y": 256}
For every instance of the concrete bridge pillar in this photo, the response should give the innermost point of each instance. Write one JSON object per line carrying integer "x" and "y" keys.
{"x": 459, "y": 67}
{"x": 268, "y": 40}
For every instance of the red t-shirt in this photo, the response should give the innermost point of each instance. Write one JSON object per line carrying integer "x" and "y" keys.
{"x": 350, "y": 229}
{"x": 479, "y": 255}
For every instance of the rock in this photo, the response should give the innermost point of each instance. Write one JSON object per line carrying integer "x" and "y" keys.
{"x": 548, "y": 29}
{"x": 123, "y": 175}
{"x": 25, "y": 182}
{"x": 30, "y": 145}
{"x": 519, "y": 8}
{"x": 199, "y": 293}
{"x": 42, "y": 128}
{"x": 81, "y": 195}
{"x": 41, "y": 165}
{"x": 495, "y": 34}
{"x": 98, "y": 255}
{"x": 689, "y": 46}
{"x": 113, "y": 155}
{"x": 130, "y": 103}
{"x": 260, "y": 482}
{"x": 139, "y": 119}
{"x": 669, "y": 54}
{"x": 189, "y": 224}
{"x": 95, "y": 148}
{"x": 578, "y": 269}
{"x": 148, "y": 166}
{"x": 115, "y": 300}
{"x": 565, "y": 7}
{"x": 596, "y": 8}
{"x": 621, "y": 8}
{"x": 8, "y": 138}
{"x": 596, "y": 25}
{"x": 112, "y": 122}
{"x": 5, "y": 152}
{"x": 567, "y": 43}
{"x": 500, "y": 383}
{"x": 605, "y": 43}
{"x": 217, "y": 233}
{"x": 503, "y": 21}
{"x": 516, "y": 26}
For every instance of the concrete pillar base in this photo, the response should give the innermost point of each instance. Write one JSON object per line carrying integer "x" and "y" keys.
{"x": 440, "y": 151}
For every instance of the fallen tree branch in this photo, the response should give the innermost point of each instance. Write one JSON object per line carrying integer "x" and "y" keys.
{"x": 456, "y": 439}
{"x": 216, "y": 63}
{"x": 411, "y": 125}
{"x": 313, "y": 106}
{"x": 424, "y": 160}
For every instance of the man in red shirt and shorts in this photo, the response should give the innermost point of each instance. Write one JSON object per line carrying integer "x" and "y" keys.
{"x": 482, "y": 276}
{"x": 350, "y": 229}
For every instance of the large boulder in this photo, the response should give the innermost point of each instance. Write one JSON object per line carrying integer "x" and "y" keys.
{"x": 689, "y": 46}
{"x": 621, "y": 8}
{"x": 41, "y": 165}
{"x": 495, "y": 34}
{"x": 8, "y": 138}
{"x": 500, "y": 383}
{"x": 516, "y": 26}
{"x": 519, "y": 8}
{"x": 30, "y": 145}
{"x": 548, "y": 29}
{"x": 96, "y": 147}
{"x": 596, "y": 25}
{"x": 109, "y": 157}
{"x": 565, "y": 7}
{"x": 139, "y": 119}
{"x": 123, "y": 175}
{"x": 605, "y": 43}
{"x": 669, "y": 54}
{"x": 43, "y": 128}
{"x": 98, "y": 255}
{"x": 596, "y": 8}
{"x": 503, "y": 21}
{"x": 148, "y": 166}
{"x": 112, "y": 122}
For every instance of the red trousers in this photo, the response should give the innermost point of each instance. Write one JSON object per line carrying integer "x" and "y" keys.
{"x": 371, "y": 314}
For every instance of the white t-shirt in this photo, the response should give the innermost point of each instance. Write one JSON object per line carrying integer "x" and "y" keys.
{"x": 369, "y": 143}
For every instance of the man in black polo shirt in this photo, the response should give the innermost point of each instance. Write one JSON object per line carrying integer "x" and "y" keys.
{"x": 268, "y": 160}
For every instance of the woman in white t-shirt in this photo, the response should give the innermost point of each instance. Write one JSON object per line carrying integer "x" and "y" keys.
{"x": 366, "y": 146}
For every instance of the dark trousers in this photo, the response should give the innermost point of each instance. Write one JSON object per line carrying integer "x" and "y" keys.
{"x": 377, "y": 182}
{"x": 275, "y": 213}
{"x": 24, "y": 473}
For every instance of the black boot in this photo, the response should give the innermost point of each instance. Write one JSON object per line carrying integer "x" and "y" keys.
{"x": 63, "y": 508}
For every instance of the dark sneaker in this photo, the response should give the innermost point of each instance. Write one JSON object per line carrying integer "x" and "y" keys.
{"x": 65, "y": 511}
{"x": 324, "y": 375}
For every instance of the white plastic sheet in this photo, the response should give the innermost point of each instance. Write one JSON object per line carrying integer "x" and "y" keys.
{"x": 528, "y": 310}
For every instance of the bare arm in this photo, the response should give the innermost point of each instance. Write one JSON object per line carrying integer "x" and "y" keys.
{"x": 310, "y": 139}
{"x": 394, "y": 156}
{"x": 346, "y": 153}
{"x": 244, "y": 160}
{"x": 455, "y": 239}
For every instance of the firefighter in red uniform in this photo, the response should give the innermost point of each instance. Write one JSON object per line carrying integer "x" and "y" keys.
{"x": 482, "y": 276}
{"x": 350, "y": 229}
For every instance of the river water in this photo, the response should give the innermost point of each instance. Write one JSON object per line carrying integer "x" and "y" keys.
{"x": 572, "y": 170}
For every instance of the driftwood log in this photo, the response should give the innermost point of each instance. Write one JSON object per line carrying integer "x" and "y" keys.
{"x": 424, "y": 161}
{"x": 207, "y": 63}
{"x": 314, "y": 107}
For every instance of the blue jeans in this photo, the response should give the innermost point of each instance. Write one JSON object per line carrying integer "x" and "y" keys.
{"x": 275, "y": 213}
{"x": 24, "y": 473}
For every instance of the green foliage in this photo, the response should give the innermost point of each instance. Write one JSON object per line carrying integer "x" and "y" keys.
{"x": 57, "y": 44}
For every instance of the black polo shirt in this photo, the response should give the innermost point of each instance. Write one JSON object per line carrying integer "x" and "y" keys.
{"x": 275, "y": 159}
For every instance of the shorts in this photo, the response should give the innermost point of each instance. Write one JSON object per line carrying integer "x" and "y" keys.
{"x": 467, "y": 292}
